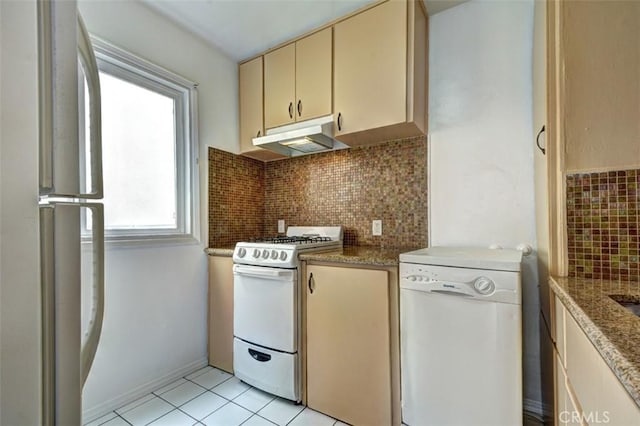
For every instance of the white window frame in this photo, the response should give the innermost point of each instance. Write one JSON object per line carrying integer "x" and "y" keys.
{"x": 131, "y": 68}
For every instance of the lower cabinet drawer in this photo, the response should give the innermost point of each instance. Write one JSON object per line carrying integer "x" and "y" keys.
{"x": 275, "y": 372}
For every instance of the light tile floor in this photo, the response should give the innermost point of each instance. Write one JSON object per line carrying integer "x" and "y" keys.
{"x": 212, "y": 397}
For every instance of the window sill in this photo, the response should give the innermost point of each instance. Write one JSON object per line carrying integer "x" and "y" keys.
{"x": 131, "y": 241}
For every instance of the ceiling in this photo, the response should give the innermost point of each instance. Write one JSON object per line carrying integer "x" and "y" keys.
{"x": 244, "y": 28}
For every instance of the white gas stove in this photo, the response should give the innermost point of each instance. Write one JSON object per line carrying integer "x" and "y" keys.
{"x": 267, "y": 305}
{"x": 282, "y": 251}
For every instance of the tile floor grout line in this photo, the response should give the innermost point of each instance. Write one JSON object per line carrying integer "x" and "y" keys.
{"x": 228, "y": 378}
{"x": 157, "y": 418}
{"x": 217, "y": 409}
{"x": 188, "y": 415}
{"x": 186, "y": 402}
{"x": 299, "y": 412}
{"x": 264, "y": 418}
{"x": 242, "y": 393}
{"x": 104, "y": 415}
{"x": 123, "y": 419}
{"x": 133, "y": 408}
{"x": 177, "y": 386}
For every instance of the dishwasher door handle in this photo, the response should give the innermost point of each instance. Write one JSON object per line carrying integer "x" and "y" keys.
{"x": 451, "y": 293}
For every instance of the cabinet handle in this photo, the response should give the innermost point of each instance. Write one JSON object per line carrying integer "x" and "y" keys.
{"x": 311, "y": 283}
{"x": 538, "y": 140}
{"x": 339, "y": 121}
{"x": 299, "y": 108}
{"x": 258, "y": 134}
{"x": 290, "y": 109}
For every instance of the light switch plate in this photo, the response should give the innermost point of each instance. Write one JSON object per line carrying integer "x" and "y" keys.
{"x": 376, "y": 228}
{"x": 281, "y": 226}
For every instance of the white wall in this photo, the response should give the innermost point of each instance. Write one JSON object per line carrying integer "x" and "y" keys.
{"x": 20, "y": 351}
{"x": 156, "y": 297}
{"x": 481, "y": 142}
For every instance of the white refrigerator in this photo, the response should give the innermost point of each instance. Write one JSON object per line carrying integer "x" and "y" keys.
{"x": 50, "y": 184}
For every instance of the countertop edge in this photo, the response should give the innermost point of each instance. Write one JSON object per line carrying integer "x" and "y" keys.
{"x": 359, "y": 256}
{"x": 349, "y": 255}
{"x": 617, "y": 362}
{"x": 337, "y": 258}
{"x": 222, "y": 251}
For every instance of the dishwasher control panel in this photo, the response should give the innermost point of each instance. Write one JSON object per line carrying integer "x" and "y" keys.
{"x": 497, "y": 286}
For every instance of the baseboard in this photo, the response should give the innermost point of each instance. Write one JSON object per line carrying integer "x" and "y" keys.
{"x": 105, "y": 407}
{"x": 537, "y": 409}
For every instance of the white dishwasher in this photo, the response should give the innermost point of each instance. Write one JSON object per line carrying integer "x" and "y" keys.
{"x": 461, "y": 337}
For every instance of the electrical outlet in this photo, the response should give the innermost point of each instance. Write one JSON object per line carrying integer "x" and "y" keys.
{"x": 376, "y": 228}
{"x": 281, "y": 229}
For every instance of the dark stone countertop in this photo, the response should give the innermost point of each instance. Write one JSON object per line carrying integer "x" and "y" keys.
{"x": 359, "y": 255}
{"x": 220, "y": 251}
{"x": 612, "y": 329}
{"x": 355, "y": 255}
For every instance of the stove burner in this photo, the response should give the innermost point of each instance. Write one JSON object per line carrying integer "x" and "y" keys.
{"x": 302, "y": 239}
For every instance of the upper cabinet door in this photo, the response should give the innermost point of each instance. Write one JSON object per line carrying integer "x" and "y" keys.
{"x": 313, "y": 75}
{"x": 279, "y": 86}
{"x": 251, "y": 120}
{"x": 250, "y": 103}
{"x": 380, "y": 73}
{"x": 370, "y": 59}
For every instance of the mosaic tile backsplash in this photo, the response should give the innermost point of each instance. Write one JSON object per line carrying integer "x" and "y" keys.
{"x": 603, "y": 222}
{"x": 348, "y": 187}
{"x": 236, "y": 198}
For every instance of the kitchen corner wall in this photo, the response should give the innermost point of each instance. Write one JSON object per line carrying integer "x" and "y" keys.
{"x": 481, "y": 145}
{"x": 349, "y": 187}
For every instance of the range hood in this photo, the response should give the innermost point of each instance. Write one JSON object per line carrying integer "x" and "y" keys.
{"x": 306, "y": 137}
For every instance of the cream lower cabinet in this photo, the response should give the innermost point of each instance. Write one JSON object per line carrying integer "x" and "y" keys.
{"x": 596, "y": 394}
{"x": 220, "y": 314}
{"x": 567, "y": 414}
{"x": 352, "y": 344}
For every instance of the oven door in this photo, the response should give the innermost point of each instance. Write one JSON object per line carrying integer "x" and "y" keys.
{"x": 265, "y": 306}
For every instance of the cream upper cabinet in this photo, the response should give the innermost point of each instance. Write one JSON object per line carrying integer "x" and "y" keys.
{"x": 600, "y": 97}
{"x": 251, "y": 122}
{"x": 297, "y": 80}
{"x": 380, "y": 73}
{"x": 348, "y": 337}
{"x": 314, "y": 62}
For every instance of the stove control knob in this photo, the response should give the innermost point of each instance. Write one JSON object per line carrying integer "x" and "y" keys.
{"x": 484, "y": 285}
{"x": 265, "y": 254}
{"x": 241, "y": 252}
{"x": 283, "y": 255}
{"x": 274, "y": 254}
{"x": 256, "y": 253}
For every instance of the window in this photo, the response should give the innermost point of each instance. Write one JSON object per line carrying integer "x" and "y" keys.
{"x": 149, "y": 148}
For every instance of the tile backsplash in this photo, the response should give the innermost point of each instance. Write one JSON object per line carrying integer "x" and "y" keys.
{"x": 603, "y": 222}
{"x": 348, "y": 187}
{"x": 236, "y": 198}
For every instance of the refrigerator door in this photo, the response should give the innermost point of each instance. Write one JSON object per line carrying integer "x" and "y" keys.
{"x": 65, "y": 54}
{"x": 62, "y": 48}
{"x": 68, "y": 351}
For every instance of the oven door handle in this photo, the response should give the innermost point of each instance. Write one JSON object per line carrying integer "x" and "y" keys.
{"x": 260, "y": 272}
